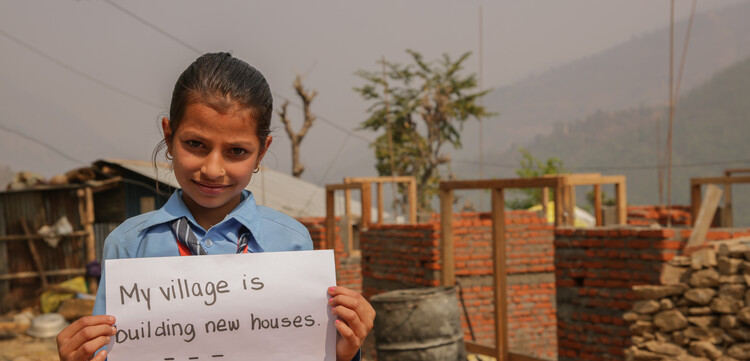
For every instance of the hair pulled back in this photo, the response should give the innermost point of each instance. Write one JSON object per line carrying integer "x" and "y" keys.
{"x": 225, "y": 84}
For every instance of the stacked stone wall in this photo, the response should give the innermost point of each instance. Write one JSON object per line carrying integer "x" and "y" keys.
{"x": 699, "y": 311}
{"x": 595, "y": 272}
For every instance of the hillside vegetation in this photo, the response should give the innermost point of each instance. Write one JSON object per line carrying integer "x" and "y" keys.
{"x": 630, "y": 74}
{"x": 711, "y": 133}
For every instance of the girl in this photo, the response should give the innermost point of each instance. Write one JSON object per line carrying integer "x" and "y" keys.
{"x": 215, "y": 137}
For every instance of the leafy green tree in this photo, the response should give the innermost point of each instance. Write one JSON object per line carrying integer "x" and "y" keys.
{"x": 531, "y": 167}
{"x": 422, "y": 108}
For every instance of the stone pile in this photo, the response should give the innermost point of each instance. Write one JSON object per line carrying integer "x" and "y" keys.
{"x": 700, "y": 312}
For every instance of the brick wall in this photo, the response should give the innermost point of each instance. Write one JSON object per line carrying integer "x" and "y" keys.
{"x": 407, "y": 256}
{"x": 348, "y": 266}
{"x": 648, "y": 215}
{"x": 595, "y": 270}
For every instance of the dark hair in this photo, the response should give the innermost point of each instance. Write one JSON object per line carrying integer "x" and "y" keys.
{"x": 223, "y": 83}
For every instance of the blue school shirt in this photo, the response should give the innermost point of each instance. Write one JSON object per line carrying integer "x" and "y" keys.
{"x": 150, "y": 235}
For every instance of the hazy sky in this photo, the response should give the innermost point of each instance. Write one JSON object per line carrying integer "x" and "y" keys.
{"x": 92, "y": 77}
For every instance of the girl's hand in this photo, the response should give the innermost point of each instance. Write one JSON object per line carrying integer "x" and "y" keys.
{"x": 355, "y": 320}
{"x": 80, "y": 340}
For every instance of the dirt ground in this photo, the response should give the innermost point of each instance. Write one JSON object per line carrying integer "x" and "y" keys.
{"x": 27, "y": 348}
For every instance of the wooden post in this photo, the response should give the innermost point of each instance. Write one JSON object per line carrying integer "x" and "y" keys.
{"x": 499, "y": 275}
{"x": 413, "y": 201}
{"x": 545, "y": 201}
{"x": 34, "y": 254}
{"x": 705, "y": 216}
{"x": 4, "y": 270}
{"x": 379, "y": 194}
{"x": 559, "y": 208}
{"x": 598, "y": 205}
{"x": 446, "y": 237}
{"x": 330, "y": 219}
{"x": 86, "y": 214}
{"x": 366, "y": 205}
{"x": 571, "y": 211}
{"x": 727, "y": 214}
{"x": 346, "y": 221}
{"x": 621, "y": 196}
{"x": 695, "y": 200}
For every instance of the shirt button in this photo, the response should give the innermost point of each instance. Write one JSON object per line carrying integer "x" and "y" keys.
{"x": 209, "y": 243}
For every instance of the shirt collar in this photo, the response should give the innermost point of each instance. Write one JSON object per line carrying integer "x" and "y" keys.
{"x": 246, "y": 214}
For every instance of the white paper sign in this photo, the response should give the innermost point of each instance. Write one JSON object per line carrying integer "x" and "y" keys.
{"x": 261, "y": 306}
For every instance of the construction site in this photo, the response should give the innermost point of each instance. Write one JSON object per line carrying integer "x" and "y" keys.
{"x": 577, "y": 208}
{"x": 649, "y": 283}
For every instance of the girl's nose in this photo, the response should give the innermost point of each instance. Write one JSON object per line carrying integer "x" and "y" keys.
{"x": 213, "y": 167}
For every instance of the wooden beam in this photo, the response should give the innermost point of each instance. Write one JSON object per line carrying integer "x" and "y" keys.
{"x": 499, "y": 274}
{"x": 517, "y": 357}
{"x": 379, "y": 194}
{"x": 559, "y": 213}
{"x": 571, "y": 211}
{"x": 491, "y": 351}
{"x": 366, "y": 206}
{"x": 730, "y": 171}
{"x": 336, "y": 187}
{"x": 545, "y": 201}
{"x": 88, "y": 218}
{"x": 34, "y": 254}
{"x": 472, "y": 347}
{"x": 705, "y": 216}
{"x": 64, "y": 272}
{"x": 18, "y": 237}
{"x": 501, "y": 183}
{"x": 346, "y": 221}
{"x": 388, "y": 179}
{"x": 579, "y": 179}
{"x": 598, "y": 205}
{"x": 621, "y": 202}
{"x": 695, "y": 201}
{"x": 720, "y": 180}
{"x": 330, "y": 219}
{"x": 412, "y": 201}
{"x": 727, "y": 216}
{"x": 446, "y": 238}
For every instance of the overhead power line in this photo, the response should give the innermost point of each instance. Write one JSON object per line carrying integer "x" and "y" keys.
{"x": 198, "y": 51}
{"x": 615, "y": 168}
{"x": 76, "y": 71}
{"x": 43, "y": 144}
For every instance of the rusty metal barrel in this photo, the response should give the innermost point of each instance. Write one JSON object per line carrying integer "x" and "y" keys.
{"x": 418, "y": 325}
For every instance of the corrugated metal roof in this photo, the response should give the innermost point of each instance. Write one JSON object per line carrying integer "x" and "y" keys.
{"x": 292, "y": 196}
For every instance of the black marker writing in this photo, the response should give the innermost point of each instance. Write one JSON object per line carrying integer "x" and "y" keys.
{"x": 137, "y": 292}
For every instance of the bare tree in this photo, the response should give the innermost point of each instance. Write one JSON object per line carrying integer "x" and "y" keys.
{"x": 296, "y": 138}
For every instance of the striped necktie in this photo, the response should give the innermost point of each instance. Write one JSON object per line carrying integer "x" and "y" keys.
{"x": 186, "y": 237}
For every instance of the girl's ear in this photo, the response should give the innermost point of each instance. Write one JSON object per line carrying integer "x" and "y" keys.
{"x": 166, "y": 128}
{"x": 269, "y": 140}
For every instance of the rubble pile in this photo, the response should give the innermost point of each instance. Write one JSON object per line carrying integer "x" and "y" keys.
{"x": 700, "y": 312}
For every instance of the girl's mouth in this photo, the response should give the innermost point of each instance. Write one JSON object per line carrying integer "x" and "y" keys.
{"x": 210, "y": 188}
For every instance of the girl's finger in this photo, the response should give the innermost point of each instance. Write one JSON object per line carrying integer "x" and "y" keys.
{"x": 82, "y": 322}
{"x": 349, "y": 336}
{"x": 82, "y": 339}
{"x": 101, "y": 356}
{"x": 352, "y": 320}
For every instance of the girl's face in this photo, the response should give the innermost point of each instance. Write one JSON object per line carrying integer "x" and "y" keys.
{"x": 214, "y": 156}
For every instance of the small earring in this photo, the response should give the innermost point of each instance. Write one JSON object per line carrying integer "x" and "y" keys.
{"x": 169, "y": 156}
{"x": 256, "y": 170}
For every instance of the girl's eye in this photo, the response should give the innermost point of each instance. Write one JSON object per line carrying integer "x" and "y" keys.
{"x": 193, "y": 143}
{"x": 238, "y": 151}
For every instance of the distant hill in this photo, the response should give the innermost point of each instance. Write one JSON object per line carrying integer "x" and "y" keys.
{"x": 631, "y": 74}
{"x": 711, "y": 133}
